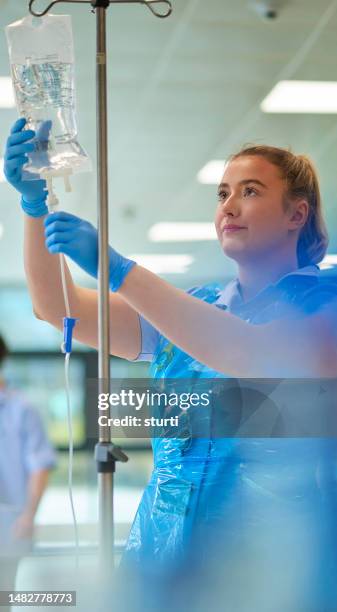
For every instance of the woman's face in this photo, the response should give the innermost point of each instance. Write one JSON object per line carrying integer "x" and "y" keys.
{"x": 250, "y": 218}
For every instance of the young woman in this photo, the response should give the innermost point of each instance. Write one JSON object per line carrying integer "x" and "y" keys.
{"x": 255, "y": 504}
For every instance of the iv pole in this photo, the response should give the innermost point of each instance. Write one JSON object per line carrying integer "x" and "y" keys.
{"x": 106, "y": 453}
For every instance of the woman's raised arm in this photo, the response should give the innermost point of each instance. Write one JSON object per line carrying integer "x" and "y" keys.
{"x": 284, "y": 348}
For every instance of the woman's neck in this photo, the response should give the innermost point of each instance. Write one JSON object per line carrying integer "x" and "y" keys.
{"x": 256, "y": 276}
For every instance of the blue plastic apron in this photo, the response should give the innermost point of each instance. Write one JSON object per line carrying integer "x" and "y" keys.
{"x": 228, "y": 501}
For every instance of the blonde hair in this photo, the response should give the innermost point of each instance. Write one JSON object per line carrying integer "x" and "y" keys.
{"x": 301, "y": 179}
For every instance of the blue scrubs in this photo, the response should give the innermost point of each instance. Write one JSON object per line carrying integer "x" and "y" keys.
{"x": 24, "y": 449}
{"x": 253, "y": 517}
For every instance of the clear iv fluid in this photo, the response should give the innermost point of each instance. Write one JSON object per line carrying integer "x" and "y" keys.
{"x": 45, "y": 96}
{"x": 42, "y": 91}
{"x": 41, "y": 54}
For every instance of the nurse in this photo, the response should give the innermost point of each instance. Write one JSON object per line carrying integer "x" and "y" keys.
{"x": 254, "y": 505}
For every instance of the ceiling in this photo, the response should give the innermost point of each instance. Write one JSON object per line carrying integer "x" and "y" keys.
{"x": 183, "y": 91}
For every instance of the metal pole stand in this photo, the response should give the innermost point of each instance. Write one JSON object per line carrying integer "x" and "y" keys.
{"x": 106, "y": 453}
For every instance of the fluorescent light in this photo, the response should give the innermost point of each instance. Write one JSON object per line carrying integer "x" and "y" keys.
{"x": 323, "y": 266}
{"x": 212, "y": 173}
{"x": 302, "y": 97}
{"x": 181, "y": 232}
{"x": 164, "y": 264}
{"x": 7, "y": 99}
{"x": 2, "y": 176}
{"x": 331, "y": 259}
{"x": 328, "y": 262}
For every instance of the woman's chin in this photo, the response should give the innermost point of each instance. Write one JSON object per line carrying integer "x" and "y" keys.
{"x": 232, "y": 248}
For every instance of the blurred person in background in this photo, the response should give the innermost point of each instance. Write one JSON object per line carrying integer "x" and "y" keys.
{"x": 26, "y": 459}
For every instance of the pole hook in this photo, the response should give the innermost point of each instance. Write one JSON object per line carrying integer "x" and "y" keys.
{"x": 148, "y": 3}
{"x": 158, "y": 13}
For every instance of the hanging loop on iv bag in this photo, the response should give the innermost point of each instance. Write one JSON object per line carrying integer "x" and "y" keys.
{"x": 95, "y": 3}
{"x": 42, "y": 67}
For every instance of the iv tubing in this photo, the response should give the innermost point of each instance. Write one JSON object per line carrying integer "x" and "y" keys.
{"x": 52, "y": 203}
{"x": 71, "y": 456}
{"x": 69, "y": 416}
{"x": 64, "y": 285}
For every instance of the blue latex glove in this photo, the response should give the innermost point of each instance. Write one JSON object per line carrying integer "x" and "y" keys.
{"x": 18, "y": 145}
{"x": 68, "y": 234}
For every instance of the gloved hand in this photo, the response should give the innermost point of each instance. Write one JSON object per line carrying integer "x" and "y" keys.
{"x": 68, "y": 234}
{"x": 33, "y": 192}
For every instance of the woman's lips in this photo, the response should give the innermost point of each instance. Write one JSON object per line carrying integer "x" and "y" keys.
{"x": 231, "y": 228}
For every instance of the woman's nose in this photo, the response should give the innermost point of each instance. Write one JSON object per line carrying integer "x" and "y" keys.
{"x": 229, "y": 206}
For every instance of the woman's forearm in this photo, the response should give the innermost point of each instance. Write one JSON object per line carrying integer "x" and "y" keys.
{"x": 43, "y": 274}
{"x": 218, "y": 339}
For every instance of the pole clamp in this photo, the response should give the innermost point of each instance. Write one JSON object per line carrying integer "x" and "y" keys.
{"x": 106, "y": 455}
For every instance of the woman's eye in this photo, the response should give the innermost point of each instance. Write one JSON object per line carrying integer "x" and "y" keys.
{"x": 222, "y": 195}
{"x": 250, "y": 191}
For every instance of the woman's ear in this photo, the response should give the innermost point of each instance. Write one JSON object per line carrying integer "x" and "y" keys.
{"x": 299, "y": 212}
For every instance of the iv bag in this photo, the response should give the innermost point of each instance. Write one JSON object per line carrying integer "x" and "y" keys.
{"x": 41, "y": 53}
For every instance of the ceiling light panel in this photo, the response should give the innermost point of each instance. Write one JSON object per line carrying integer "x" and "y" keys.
{"x": 2, "y": 176}
{"x": 212, "y": 172}
{"x": 164, "y": 264}
{"x": 302, "y": 97}
{"x": 7, "y": 99}
{"x": 182, "y": 232}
